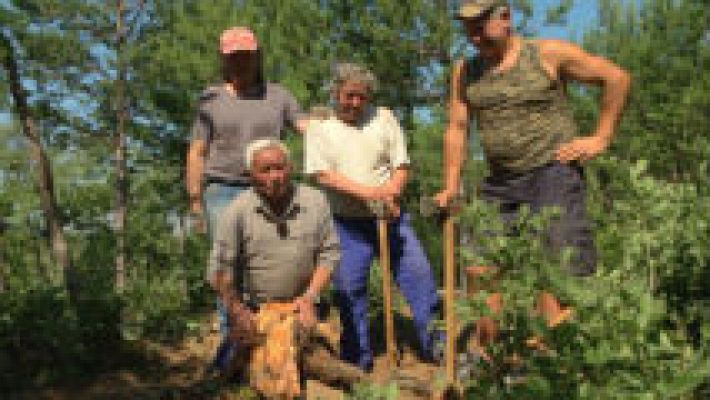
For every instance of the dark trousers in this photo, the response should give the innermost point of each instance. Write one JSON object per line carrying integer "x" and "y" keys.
{"x": 551, "y": 185}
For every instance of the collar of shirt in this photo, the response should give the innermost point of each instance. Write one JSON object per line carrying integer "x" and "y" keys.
{"x": 367, "y": 117}
{"x": 294, "y": 207}
{"x": 255, "y": 92}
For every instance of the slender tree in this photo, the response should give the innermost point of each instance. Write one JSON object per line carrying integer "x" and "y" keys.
{"x": 48, "y": 200}
{"x": 121, "y": 209}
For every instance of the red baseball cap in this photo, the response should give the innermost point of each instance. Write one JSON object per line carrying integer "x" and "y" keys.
{"x": 238, "y": 38}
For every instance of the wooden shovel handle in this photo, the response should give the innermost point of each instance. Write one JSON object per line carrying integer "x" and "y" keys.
{"x": 382, "y": 230}
{"x": 449, "y": 297}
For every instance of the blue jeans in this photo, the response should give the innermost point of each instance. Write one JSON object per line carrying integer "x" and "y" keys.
{"x": 216, "y": 197}
{"x": 412, "y": 274}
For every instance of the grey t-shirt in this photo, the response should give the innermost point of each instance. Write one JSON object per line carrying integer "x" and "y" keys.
{"x": 227, "y": 123}
{"x": 274, "y": 257}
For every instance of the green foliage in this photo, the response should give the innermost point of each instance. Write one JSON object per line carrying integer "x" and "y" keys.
{"x": 155, "y": 307}
{"x": 46, "y": 337}
{"x": 375, "y": 392}
{"x": 629, "y": 337}
{"x": 640, "y": 328}
{"x": 664, "y": 45}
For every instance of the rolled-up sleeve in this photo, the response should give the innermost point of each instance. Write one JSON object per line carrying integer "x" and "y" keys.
{"x": 328, "y": 255}
{"x": 226, "y": 244}
{"x": 202, "y": 125}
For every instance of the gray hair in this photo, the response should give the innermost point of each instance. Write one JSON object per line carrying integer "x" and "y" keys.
{"x": 345, "y": 72}
{"x": 263, "y": 144}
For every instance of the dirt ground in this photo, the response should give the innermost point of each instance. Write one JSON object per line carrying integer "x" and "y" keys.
{"x": 176, "y": 371}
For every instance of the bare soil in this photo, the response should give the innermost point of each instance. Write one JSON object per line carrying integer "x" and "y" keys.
{"x": 177, "y": 371}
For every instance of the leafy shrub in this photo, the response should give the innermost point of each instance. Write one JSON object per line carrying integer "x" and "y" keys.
{"x": 45, "y": 336}
{"x": 630, "y": 337}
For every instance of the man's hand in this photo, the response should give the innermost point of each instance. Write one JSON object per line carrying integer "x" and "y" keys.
{"x": 393, "y": 208}
{"x": 243, "y": 327}
{"x": 387, "y": 196}
{"x": 581, "y": 149}
{"x": 391, "y": 189}
{"x": 444, "y": 197}
{"x": 196, "y": 206}
{"x": 306, "y": 311}
{"x": 380, "y": 193}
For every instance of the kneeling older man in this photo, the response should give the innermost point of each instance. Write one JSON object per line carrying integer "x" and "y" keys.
{"x": 274, "y": 251}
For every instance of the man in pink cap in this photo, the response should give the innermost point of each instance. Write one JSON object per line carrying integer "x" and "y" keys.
{"x": 230, "y": 115}
{"x": 237, "y": 39}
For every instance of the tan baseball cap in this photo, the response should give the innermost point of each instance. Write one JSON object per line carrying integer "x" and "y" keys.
{"x": 474, "y": 8}
{"x": 238, "y": 38}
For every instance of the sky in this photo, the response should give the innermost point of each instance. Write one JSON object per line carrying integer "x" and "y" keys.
{"x": 582, "y": 16}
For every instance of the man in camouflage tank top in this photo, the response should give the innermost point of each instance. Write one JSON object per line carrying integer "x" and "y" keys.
{"x": 514, "y": 90}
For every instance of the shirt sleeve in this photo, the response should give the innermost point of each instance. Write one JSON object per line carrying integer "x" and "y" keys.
{"x": 398, "y": 143}
{"x": 227, "y": 244}
{"x": 315, "y": 159}
{"x": 329, "y": 247}
{"x": 202, "y": 125}
{"x": 292, "y": 110}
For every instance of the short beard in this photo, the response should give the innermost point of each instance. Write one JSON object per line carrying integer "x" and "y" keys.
{"x": 496, "y": 43}
{"x": 350, "y": 112}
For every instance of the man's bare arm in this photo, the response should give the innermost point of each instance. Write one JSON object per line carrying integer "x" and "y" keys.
{"x": 305, "y": 303}
{"x": 389, "y": 192}
{"x": 222, "y": 264}
{"x": 336, "y": 180}
{"x": 240, "y": 316}
{"x": 327, "y": 259}
{"x": 397, "y": 182}
{"x": 302, "y": 125}
{"x": 222, "y": 268}
{"x": 321, "y": 277}
{"x": 569, "y": 61}
{"x": 455, "y": 137}
{"x": 193, "y": 174}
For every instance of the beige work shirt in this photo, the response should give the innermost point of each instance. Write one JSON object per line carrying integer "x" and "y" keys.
{"x": 273, "y": 257}
{"x": 368, "y": 154}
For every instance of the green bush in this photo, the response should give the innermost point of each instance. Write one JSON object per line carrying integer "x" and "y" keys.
{"x": 630, "y": 336}
{"x": 156, "y": 307}
{"x": 46, "y": 337}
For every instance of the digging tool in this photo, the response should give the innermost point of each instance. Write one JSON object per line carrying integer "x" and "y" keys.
{"x": 383, "y": 217}
{"x": 429, "y": 208}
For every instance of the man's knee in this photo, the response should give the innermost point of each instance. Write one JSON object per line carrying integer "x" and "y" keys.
{"x": 480, "y": 271}
{"x": 495, "y": 303}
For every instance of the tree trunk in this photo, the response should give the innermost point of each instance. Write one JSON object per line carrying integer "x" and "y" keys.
{"x": 121, "y": 210}
{"x": 46, "y": 180}
{"x": 184, "y": 285}
{"x": 322, "y": 364}
{"x": 2, "y": 260}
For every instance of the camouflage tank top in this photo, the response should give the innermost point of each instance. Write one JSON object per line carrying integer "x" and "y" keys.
{"x": 522, "y": 114}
